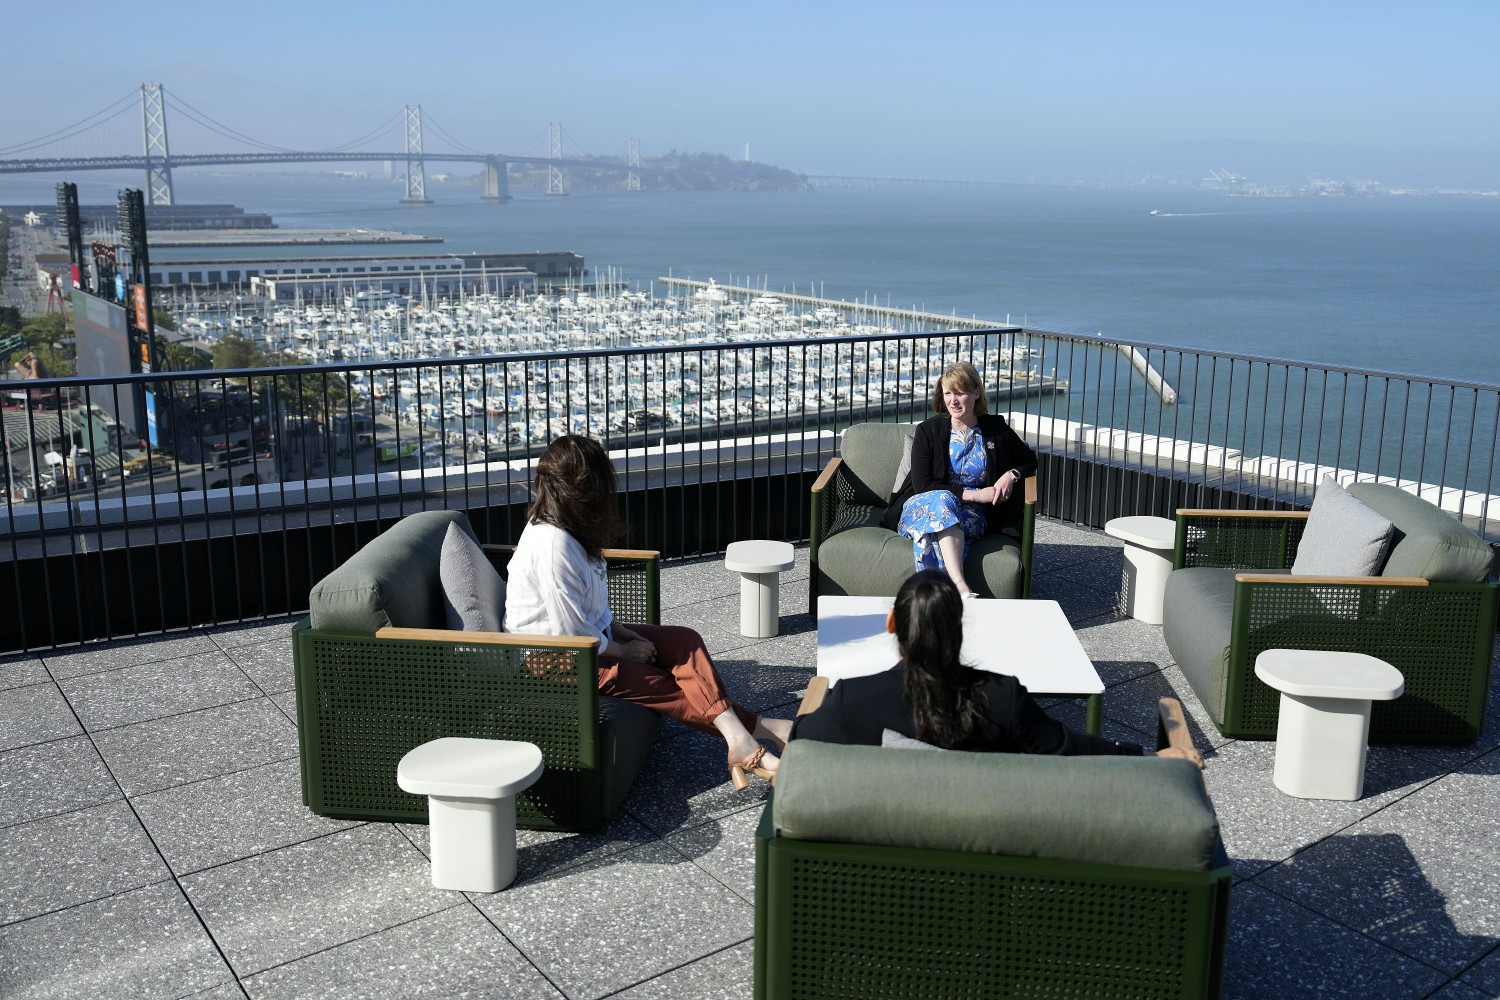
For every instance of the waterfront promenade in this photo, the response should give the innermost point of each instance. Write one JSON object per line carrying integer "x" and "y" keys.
{"x": 153, "y": 843}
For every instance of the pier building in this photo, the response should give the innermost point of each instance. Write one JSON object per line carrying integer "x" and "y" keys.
{"x": 546, "y": 265}
{"x": 318, "y": 287}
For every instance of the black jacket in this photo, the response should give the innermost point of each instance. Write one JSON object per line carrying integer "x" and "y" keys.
{"x": 1004, "y": 451}
{"x": 857, "y": 709}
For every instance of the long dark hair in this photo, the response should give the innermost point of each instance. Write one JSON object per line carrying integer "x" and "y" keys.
{"x": 942, "y": 692}
{"x": 575, "y": 491}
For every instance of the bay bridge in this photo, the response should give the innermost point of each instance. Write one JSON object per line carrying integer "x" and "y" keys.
{"x": 157, "y": 161}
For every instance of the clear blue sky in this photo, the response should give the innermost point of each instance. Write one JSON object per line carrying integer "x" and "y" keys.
{"x": 998, "y": 89}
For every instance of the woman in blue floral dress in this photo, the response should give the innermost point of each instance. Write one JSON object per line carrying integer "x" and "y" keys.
{"x": 965, "y": 463}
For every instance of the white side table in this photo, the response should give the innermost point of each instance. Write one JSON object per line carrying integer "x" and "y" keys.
{"x": 1149, "y": 542}
{"x": 471, "y": 807}
{"x": 1325, "y": 717}
{"x": 760, "y": 565}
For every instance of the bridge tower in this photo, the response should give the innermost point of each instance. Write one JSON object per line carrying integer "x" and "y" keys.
{"x": 496, "y": 179}
{"x": 416, "y": 176}
{"x": 633, "y": 178}
{"x": 158, "y": 162}
{"x": 554, "y": 153}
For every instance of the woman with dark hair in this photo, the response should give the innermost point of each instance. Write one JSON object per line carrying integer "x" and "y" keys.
{"x": 933, "y": 696}
{"x": 557, "y": 586}
{"x": 965, "y": 464}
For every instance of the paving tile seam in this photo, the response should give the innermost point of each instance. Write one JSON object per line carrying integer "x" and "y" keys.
{"x": 152, "y": 638}
{"x": 1354, "y": 930}
{"x": 356, "y": 825}
{"x": 676, "y": 968}
{"x": 63, "y": 812}
{"x": 212, "y": 777}
{"x": 519, "y": 950}
{"x": 353, "y": 940}
{"x": 173, "y": 715}
{"x": 55, "y": 739}
{"x": 87, "y": 902}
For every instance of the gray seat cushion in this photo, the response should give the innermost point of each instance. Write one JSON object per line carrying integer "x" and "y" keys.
{"x": 1197, "y": 613}
{"x": 473, "y": 590}
{"x": 863, "y": 559}
{"x": 1430, "y": 543}
{"x": 1149, "y": 812}
{"x": 627, "y": 732}
{"x": 392, "y": 580}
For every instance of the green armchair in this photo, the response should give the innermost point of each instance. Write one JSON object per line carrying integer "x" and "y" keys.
{"x": 378, "y": 674}
{"x": 1431, "y": 614}
{"x": 851, "y": 553}
{"x": 884, "y": 872}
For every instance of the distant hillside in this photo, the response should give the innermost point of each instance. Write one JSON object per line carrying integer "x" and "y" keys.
{"x": 672, "y": 172}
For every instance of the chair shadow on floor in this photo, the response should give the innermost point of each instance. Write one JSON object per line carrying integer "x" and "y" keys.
{"x": 1371, "y": 884}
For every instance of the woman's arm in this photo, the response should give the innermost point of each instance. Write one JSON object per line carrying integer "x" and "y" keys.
{"x": 826, "y": 724}
{"x": 1038, "y": 732}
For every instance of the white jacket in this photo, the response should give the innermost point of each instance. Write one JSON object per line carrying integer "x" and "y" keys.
{"x": 554, "y": 588}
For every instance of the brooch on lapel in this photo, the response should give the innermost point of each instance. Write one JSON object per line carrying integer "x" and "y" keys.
{"x": 989, "y": 445}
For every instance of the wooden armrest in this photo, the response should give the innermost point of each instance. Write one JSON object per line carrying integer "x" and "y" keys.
{"x": 826, "y": 474}
{"x": 517, "y": 639}
{"x": 635, "y": 555}
{"x": 1342, "y": 581}
{"x": 632, "y": 554}
{"x": 1031, "y": 489}
{"x": 816, "y": 689}
{"x": 1172, "y": 728}
{"x": 1282, "y": 514}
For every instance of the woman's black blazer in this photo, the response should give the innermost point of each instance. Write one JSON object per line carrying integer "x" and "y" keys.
{"x": 1004, "y": 451}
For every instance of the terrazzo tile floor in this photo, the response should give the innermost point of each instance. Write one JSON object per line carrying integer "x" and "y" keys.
{"x": 153, "y": 842}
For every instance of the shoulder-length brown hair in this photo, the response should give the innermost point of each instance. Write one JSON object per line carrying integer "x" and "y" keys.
{"x": 963, "y": 377}
{"x": 575, "y": 491}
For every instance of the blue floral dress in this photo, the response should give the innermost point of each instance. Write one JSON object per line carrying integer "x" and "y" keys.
{"x": 926, "y": 514}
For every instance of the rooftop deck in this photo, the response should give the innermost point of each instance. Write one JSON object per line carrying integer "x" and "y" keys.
{"x": 153, "y": 842}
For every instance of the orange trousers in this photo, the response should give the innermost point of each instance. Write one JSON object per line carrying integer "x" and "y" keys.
{"x": 682, "y": 684}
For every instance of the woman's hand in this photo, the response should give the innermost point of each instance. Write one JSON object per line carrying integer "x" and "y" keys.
{"x": 998, "y": 493}
{"x": 639, "y": 650}
{"x": 1184, "y": 753}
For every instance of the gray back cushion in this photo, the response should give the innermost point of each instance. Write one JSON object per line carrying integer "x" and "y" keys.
{"x": 1148, "y": 812}
{"x": 393, "y": 580}
{"x": 1343, "y": 537}
{"x": 473, "y": 590}
{"x": 871, "y": 453}
{"x": 1430, "y": 543}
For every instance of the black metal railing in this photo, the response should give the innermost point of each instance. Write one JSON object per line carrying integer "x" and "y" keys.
{"x": 251, "y": 484}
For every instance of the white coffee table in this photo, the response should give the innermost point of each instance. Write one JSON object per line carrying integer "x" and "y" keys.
{"x": 1149, "y": 542}
{"x": 760, "y": 564}
{"x": 1324, "y": 723}
{"x": 1030, "y": 640}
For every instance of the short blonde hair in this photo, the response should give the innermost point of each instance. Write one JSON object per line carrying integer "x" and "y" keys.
{"x": 965, "y": 378}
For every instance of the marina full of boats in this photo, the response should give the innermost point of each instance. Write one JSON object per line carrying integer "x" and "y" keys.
{"x": 722, "y": 373}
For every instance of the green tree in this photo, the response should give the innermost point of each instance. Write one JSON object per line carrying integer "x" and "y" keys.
{"x": 164, "y": 319}
{"x": 176, "y": 356}
{"x": 50, "y": 339}
{"x": 236, "y": 351}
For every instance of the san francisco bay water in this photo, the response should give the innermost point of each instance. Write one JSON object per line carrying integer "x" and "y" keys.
{"x": 1403, "y": 284}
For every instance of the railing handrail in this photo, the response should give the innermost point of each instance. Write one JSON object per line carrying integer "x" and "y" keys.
{"x": 72, "y": 381}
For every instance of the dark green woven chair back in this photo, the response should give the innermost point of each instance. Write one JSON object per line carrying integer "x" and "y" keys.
{"x": 372, "y": 701}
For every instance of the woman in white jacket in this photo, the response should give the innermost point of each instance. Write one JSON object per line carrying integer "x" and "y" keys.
{"x": 557, "y": 586}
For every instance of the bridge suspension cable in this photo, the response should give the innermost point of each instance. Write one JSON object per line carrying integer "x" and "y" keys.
{"x": 388, "y": 125}
{"x": 433, "y": 126}
{"x": 120, "y": 107}
{"x": 213, "y": 125}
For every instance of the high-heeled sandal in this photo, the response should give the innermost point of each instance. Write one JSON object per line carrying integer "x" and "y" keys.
{"x": 737, "y": 769}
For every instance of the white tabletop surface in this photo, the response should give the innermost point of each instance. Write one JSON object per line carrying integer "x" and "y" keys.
{"x": 1143, "y": 529}
{"x": 759, "y": 556}
{"x": 1031, "y": 640}
{"x": 461, "y": 767}
{"x": 1307, "y": 673}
